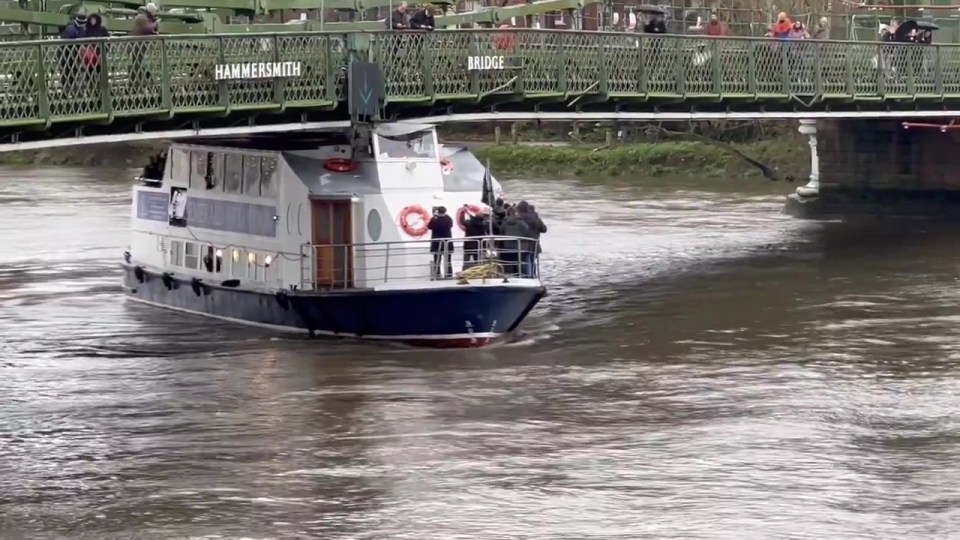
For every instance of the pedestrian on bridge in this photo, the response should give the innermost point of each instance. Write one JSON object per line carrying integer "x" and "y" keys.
{"x": 398, "y": 18}
{"x": 70, "y": 54}
{"x": 145, "y": 23}
{"x": 423, "y": 20}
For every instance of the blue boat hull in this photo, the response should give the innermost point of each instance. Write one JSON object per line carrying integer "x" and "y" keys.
{"x": 454, "y": 316}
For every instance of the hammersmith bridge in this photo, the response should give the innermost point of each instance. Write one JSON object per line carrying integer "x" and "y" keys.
{"x": 203, "y": 71}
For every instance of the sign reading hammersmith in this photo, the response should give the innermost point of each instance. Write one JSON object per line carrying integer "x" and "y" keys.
{"x": 485, "y": 63}
{"x": 256, "y": 70}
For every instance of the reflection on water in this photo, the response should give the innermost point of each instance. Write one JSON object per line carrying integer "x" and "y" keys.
{"x": 704, "y": 367}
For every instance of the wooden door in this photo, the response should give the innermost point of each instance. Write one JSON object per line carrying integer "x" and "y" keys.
{"x": 332, "y": 240}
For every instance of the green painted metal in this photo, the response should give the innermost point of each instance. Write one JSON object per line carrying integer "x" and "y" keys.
{"x": 53, "y": 82}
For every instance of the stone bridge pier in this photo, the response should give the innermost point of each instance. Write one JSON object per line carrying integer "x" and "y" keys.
{"x": 878, "y": 166}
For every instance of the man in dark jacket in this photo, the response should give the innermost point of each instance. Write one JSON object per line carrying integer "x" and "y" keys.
{"x": 510, "y": 250}
{"x": 474, "y": 226}
{"x": 441, "y": 231}
{"x": 398, "y": 18}
{"x": 531, "y": 253}
{"x": 70, "y": 55}
{"x": 423, "y": 20}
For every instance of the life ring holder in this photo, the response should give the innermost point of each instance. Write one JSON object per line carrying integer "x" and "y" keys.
{"x": 408, "y": 227}
{"x": 339, "y": 165}
{"x": 446, "y": 166}
{"x": 461, "y": 214}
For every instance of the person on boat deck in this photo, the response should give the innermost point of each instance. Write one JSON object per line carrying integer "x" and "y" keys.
{"x": 474, "y": 226}
{"x": 510, "y": 250}
{"x": 423, "y": 20}
{"x": 441, "y": 231}
{"x": 398, "y": 18}
{"x": 531, "y": 252}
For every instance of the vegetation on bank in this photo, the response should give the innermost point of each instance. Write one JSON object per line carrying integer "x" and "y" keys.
{"x": 788, "y": 154}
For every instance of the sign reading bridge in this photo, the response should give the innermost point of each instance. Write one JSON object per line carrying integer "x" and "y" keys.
{"x": 485, "y": 63}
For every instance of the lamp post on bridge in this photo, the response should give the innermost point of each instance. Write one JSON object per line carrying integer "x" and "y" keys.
{"x": 812, "y": 189}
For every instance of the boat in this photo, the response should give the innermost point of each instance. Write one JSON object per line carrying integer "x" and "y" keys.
{"x": 326, "y": 234}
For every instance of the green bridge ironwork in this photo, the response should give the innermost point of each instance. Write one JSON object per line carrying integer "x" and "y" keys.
{"x": 50, "y": 88}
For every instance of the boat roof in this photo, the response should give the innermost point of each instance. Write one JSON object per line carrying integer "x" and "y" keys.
{"x": 270, "y": 142}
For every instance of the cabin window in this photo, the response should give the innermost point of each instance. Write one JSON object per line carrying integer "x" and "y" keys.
{"x": 176, "y": 253}
{"x": 268, "y": 186}
{"x": 270, "y": 268}
{"x": 233, "y": 173}
{"x": 213, "y": 260}
{"x": 252, "y": 266}
{"x": 237, "y": 268}
{"x": 215, "y": 173}
{"x": 198, "y": 169}
{"x": 191, "y": 256}
{"x": 180, "y": 165}
{"x": 251, "y": 175}
{"x": 419, "y": 144}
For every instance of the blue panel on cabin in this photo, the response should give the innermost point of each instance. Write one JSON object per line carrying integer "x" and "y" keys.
{"x": 228, "y": 216}
{"x": 153, "y": 206}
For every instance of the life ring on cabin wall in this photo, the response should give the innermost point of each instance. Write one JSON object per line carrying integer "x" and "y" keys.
{"x": 446, "y": 166}
{"x": 461, "y": 214}
{"x": 410, "y": 223}
{"x": 339, "y": 165}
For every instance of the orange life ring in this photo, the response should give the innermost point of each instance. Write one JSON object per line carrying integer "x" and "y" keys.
{"x": 340, "y": 165}
{"x": 461, "y": 214}
{"x": 446, "y": 166}
{"x": 411, "y": 227}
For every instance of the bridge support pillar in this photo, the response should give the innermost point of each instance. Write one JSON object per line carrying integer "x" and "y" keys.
{"x": 812, "y": 189}
{"x": 882, "y": 166}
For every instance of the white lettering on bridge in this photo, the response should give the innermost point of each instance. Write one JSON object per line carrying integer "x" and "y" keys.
{"x": 484, "y": 63}
{"x": 256, "y": 70}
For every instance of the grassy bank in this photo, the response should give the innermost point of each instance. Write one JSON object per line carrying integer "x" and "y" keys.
{"x": 788, "y": 154}
{"x": 672, "y": 157}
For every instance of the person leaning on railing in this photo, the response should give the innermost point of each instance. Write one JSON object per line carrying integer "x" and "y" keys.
{"x": 398, "y": 18}
{"x": 423, "y": 20}
{"x": 145, "y": 23}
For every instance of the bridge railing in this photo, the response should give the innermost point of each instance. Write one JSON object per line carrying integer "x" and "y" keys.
{"x": 42, "y": 82}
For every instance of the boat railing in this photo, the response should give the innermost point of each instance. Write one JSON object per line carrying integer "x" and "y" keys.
{"x": 349, "y": 266}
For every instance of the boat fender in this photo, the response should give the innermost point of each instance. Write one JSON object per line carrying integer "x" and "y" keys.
{"x": 462, "y": 216}
{"x": 340, "y": 165}
{"x": 167, "y": 280}
{"x": 197, "y": 286}
{"x": 138, "y": 273}
{"x": 411, "y": 226}
{"x": 446, "y": 166}
{"x": 283, "y": 301}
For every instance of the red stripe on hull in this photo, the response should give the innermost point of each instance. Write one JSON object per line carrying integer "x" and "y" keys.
{"x": 453, "y": 343}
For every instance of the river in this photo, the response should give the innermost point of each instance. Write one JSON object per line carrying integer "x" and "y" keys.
{"x": 704, "y": 367}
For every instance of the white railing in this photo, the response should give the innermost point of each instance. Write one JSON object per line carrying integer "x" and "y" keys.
{"x": 348, "y": 266}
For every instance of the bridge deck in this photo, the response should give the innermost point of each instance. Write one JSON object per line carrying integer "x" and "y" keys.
{"x": 51, "y": 88}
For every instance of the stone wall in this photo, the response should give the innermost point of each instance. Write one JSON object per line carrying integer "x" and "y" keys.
{"x": 871, "y": 155}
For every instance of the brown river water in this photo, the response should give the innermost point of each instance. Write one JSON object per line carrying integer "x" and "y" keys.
{"x": 704, "y": 367}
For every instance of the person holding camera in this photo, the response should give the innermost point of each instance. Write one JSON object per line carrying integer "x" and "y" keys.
{"x": 441, "y": 231}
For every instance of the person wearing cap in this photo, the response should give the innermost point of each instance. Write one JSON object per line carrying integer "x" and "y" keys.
{"x": 146, "y": 22}
{"x": 474, "y": 226}
{"x": 70, "y": 54}
{"x": 716, "y": 28}
{"x": 76, "y": 29}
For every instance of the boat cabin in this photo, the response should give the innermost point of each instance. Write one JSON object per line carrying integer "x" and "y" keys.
{"x": 310, "y": 211}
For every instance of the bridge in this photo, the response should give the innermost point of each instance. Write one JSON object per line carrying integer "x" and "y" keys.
{"x": 57, "y": 92}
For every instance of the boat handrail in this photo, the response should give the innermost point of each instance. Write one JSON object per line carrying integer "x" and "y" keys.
{"x": 369, "y": 265}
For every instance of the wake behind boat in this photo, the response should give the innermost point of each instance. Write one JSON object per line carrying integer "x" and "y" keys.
{"x": 327, "y": 234}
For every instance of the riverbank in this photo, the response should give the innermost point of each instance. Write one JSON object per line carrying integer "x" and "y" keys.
{"x": 786, "y": 153}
